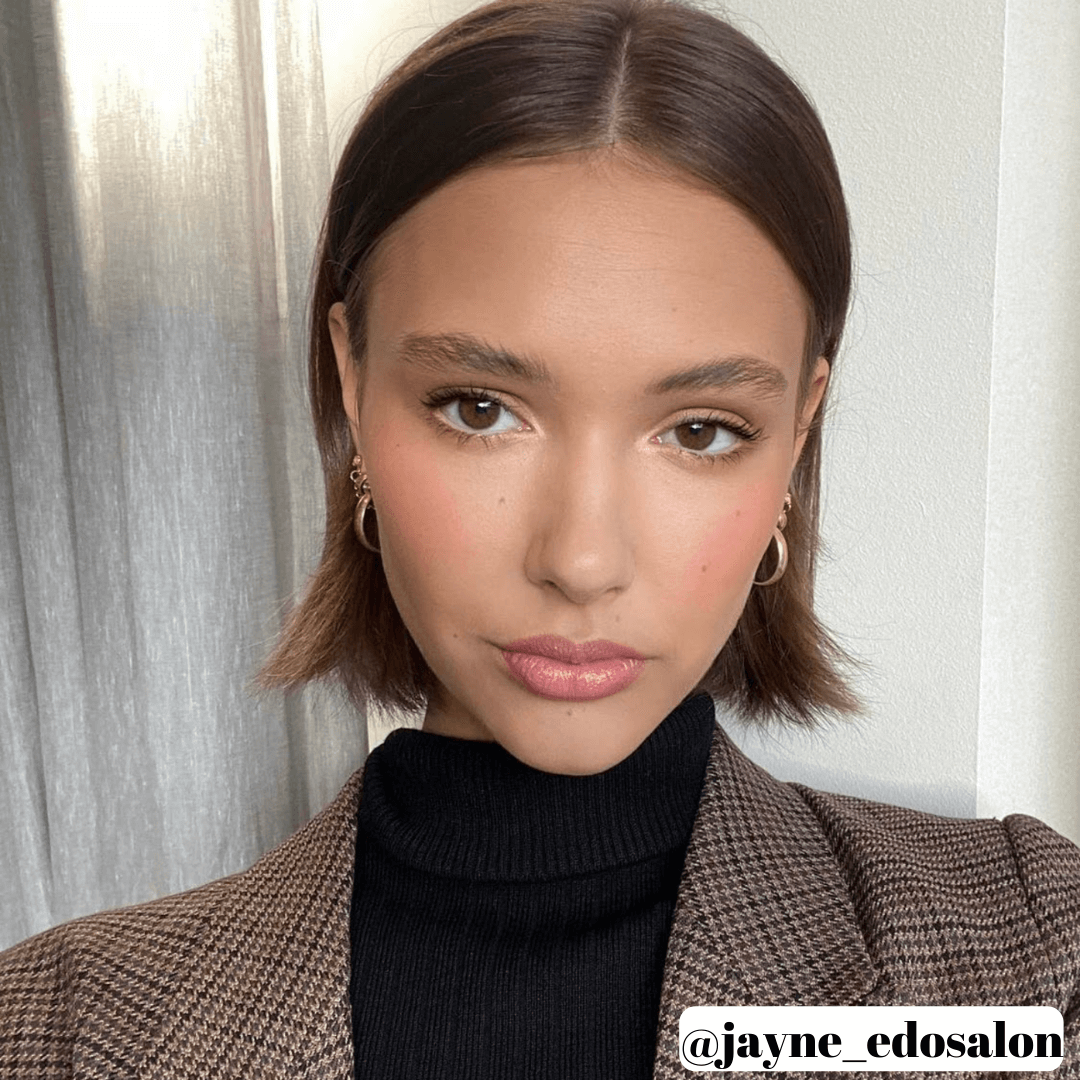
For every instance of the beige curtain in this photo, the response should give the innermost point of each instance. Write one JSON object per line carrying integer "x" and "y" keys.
{"x": 163, "y": 167}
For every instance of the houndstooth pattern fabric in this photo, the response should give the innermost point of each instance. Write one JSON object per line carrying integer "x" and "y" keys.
{"x": 788, "y": 896}
{"x": 791, "y": 896}
{"x": 245, "y": 977}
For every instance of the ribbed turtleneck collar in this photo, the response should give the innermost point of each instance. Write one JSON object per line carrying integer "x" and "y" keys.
{"x": 469, "y": 809}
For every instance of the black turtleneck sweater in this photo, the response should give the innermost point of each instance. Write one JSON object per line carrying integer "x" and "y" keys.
{"x": 508, "y": 922}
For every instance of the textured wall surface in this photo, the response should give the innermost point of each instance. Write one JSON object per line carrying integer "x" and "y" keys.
{"x": 1029, "y": 721}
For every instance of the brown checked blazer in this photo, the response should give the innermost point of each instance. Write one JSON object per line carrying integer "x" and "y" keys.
{"x": 788, "y": 896}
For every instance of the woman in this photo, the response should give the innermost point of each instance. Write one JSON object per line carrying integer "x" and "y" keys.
{"x": 582, "y": 282}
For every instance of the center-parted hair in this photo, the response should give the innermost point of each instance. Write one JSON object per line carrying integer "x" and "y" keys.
{"x": 669, "y": 84}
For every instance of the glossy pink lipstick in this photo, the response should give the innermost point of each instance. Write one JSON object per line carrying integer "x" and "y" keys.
{"x": 554, "y": 667}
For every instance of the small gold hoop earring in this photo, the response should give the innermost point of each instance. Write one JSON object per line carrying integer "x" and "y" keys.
{"x": 781, "y": 546}
{"x": 363, "y": 501}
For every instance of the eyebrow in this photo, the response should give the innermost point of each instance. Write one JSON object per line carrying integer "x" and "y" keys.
{"x": 440, "y": 352}
{"x": 765, "y": 378}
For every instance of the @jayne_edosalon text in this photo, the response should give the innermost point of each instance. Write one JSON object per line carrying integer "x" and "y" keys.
{"x": 871, "y": 1038}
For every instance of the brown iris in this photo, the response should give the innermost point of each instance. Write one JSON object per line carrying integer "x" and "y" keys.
{"x": 696, "y": 435}
{"x": 478, "y": 412}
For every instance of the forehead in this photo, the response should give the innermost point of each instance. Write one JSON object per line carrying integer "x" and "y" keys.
{"x": 586, "y": 256}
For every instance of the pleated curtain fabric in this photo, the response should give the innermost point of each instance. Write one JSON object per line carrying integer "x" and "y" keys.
{"x": 163, "y": 169}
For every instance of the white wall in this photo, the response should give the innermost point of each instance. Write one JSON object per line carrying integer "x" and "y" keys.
{"x": 948, "y": 507}
{"x": 1029, "y": 748}
{"x": 362, "y": 40}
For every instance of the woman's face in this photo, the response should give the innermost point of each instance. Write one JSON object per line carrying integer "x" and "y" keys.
{"x": 578, "y": 417}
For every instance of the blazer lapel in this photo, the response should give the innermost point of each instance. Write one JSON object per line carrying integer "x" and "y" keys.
{"x": 268, "y": 995}
{"x": 763, "y": 916}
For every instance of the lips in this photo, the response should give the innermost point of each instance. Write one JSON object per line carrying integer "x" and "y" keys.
{"x": 569, "y": 652}
{"x": 554, "y": 667}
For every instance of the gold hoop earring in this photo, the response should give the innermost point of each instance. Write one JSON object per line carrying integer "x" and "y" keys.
{"x": 363, "y": 501}
{"x": 781, "y": 546}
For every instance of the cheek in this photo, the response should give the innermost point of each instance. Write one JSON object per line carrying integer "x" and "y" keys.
{"x": 421, "y": 532}
{"x": 721, "y": 564}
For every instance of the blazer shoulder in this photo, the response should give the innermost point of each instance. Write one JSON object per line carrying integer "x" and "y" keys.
{"x": 915, "y": 835}
{"x": 1007, "y": 890}
{"x": 88, "y": 997}
{"x": 1049, "y": 868}
{"x": 114, "y": 967}
{"x": 1045, "y": 861}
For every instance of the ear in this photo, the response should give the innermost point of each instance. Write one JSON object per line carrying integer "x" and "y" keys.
{"x": 348, "y": 372}
{"x": 814, "y": 393}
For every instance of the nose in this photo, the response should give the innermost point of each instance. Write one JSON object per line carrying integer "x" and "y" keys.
{"x": 582, "y": 542}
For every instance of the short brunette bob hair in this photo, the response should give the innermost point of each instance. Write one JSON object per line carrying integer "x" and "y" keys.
{"x": 529, "y": 78}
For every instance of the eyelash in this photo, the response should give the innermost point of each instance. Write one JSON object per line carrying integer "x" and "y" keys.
{"x": 437, "y": 399}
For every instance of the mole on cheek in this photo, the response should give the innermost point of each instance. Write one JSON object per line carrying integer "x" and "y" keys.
{"x": 714, "y": 559}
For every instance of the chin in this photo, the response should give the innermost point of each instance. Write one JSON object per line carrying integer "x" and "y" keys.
{"x": 572, "y": 761}
{"x": 578, "y": 738}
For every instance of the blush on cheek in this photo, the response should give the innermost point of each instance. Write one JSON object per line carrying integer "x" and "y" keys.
{"x": 417, "y": 512}
{"x": 718, "y": 572}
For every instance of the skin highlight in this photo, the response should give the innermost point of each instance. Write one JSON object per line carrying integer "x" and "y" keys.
{"x": 585, "y": 504}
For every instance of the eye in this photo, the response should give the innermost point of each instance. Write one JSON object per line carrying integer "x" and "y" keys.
{"x": 706, "y": 438}
{"x": 481, "y": 414}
